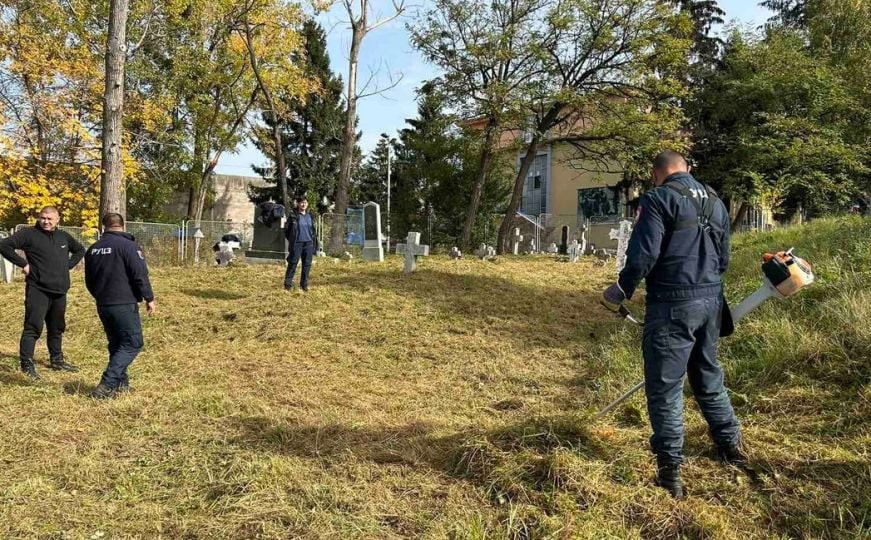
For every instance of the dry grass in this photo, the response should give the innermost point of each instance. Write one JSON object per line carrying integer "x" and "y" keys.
{"x": 451, "y": 403}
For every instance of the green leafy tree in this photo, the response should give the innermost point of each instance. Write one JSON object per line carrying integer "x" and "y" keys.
{"x": 311, "y": 130}
{"x": 776, "y": 126}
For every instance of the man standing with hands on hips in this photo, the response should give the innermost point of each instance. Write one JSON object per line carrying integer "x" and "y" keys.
{"x": 51, "y": 254}
{"x": 302, "y": 243}
{"x": 117, "y": 278}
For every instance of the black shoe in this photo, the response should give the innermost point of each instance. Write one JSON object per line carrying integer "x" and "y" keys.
{"x": 668, "y": 477}
{"x": 288, "y": 288}
{"x": 29, "y": 369}
{"x": 124, "y": 388}
{"x": 59, "y": 363}
{"x": 103, "y": 391}
{"x": 305, "y": 289}
{"x": 733, "y": 455}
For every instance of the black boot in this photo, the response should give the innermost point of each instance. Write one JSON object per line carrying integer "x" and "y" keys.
{"x": 59, "y": 363}
{"x": 103, "y": 391}
{"x": 668, "y": 477}
{"x": 733, "y": 455}
{"x": 29, "y": 369}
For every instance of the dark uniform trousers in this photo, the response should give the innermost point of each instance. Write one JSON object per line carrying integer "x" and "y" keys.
{"x": 304, "y": 251}
{"x": 680, "y": 338}
{"x": 42, "y": 309}
{"x": 124, "y": 330}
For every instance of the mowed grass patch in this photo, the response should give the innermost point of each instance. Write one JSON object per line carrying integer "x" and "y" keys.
{"x": 452, "y": 403}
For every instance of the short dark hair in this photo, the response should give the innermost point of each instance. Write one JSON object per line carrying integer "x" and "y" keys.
{"x": 668, "y": 159}
{"x": 300, "y": 198}
{"x": 49, "y": 209}
{"x": 113, "y": 219}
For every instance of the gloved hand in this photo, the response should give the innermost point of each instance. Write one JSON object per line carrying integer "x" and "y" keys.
{"x": 614, "y": 296}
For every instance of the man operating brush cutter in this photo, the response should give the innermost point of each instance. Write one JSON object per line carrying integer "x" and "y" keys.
{"x": 680, "y": 246}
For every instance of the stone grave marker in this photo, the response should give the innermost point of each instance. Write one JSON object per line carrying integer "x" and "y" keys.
{"x": 372, "y": 249}
{"x": 516, "y": 239}
{"x": 583, "y": 240}
{"x": 574, "y": 251}
{"x": 412, "y": 248}
{"x": 456, "y": 253}
{"x": 622, "y": 236}
{"x": 484, "y": 252}
{"x": 553, "y": 249}
{"x": 268, "y": 242}
{"x": 6, "y": 267}
{"x": 530, "y": 248}
{"x": 564, "y": 240}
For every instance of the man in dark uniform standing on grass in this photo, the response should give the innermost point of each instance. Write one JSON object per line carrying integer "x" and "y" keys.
{"x": 302, "y": 243}
{"x": 51, "y": 254}
{"x": 117, "y": 278}
{"x": 680, "y": 246}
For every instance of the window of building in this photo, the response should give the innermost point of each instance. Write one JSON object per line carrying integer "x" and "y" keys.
{"x": 599, "y": 204}
{"x": 534, "y": 200}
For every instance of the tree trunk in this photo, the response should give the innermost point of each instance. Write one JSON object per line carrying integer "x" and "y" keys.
{"x": 280, "y": 167}
{"x": 517, "y": 193}
{"x": 337, "y": 232}
{"x": 480, "y": 179}
{"x": 113, "y": 197}
{"x": 742, "y": 211}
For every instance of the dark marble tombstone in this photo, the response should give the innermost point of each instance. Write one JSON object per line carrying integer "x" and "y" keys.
{"x": 268, "y": 241}
{"x": 564, "y": 240}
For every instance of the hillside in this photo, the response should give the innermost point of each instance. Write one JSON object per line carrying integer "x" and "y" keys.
{"x": 455, "y": 402}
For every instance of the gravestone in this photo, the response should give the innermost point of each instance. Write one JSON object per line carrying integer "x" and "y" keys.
{"x": 583, "y": 241}
{"x": 372, "y": 249}
{"x": 484, "y": 252}
{"x": 456, "y": 253}
{"x": 530, "y": 248}
{"x": 574, "y": 251}
{"x": 515, "y": 242}
{"x": 412, "y": 248}
{"x": 347, "y": 256}
{"x": 564, "y": 240}
{"x": 553, "y": 249}
{"x": 6, "y": 267}
{"x": 268, "y": 239}
{"x": 622, "y": 236}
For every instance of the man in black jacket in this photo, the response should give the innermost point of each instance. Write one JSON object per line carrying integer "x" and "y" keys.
{"x": 117, "y": 278}
{"x": 302, "y": 243}
{"x": 51, "y": 253}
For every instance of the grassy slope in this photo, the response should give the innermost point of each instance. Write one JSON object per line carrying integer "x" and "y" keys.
{"x": 453, "y": 402}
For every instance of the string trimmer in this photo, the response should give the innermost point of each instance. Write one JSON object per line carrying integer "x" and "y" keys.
{"x": 784, "y": 274}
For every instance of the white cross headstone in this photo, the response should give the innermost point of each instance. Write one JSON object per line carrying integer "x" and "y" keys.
{"x": 515, "y": 241}
{"x": 198, "y": 237}
{"x": 574, "y": 251}
{"x": 456, "y": 253}
{"x": 622, "y": 236}
{"x": 583, "y": 241}
{"x": 412, "y": 248}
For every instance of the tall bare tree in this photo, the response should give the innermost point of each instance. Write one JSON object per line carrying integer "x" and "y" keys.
{"x": 361, "y": 22}
{"x": 112, "y": 191}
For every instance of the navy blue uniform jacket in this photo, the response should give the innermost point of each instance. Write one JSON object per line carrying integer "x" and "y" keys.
{"x": 676, "y": 263}
{"x": 115, "y": 271}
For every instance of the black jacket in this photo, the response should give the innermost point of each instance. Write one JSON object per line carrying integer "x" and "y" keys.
{"x": 50, "y": 255}
{"x": 678, "y": 262}
{"x": 115, "y": 271}
{"x": 290, "y": 229}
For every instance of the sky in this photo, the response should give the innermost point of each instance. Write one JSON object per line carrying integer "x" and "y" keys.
{"x": 387, "y": 50}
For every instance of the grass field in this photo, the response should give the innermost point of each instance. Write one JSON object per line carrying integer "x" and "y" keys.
{"x": 452, "y": 403}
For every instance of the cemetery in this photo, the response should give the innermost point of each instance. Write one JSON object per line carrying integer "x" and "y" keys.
{"x": 567, "y": 269}
{"x": 455, "y": 398}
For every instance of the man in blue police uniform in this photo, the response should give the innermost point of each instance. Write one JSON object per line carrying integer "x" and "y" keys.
{"x": 680, "y": 246}
{"x": 117, "y": 278}
{"x": 51, "y": 254}
{"x": 302, "y": 243}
